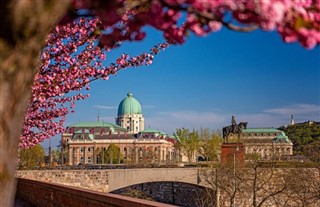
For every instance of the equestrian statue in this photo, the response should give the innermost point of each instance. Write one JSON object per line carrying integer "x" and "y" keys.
{"x": 234, "y": 128}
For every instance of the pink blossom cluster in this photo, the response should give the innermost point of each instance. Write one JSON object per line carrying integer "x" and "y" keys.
{"x": 69, "y": 62}
{"x": 72, "y": 58}
{"x": 295, "y": 20}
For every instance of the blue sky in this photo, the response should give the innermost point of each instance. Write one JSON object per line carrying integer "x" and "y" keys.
{"x": 254, "y": 76}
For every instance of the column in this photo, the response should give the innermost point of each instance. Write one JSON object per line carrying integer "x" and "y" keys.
{"x": 160, "y": 154}
{"x": 94, "y": 154}
{"x": 70, "y": 161}
{"x": 136, "y": 154}
{"x": 77, "y": 155}
{"x": 84, "y": 155}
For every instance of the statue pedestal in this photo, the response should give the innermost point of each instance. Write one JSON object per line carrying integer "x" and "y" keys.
{"x": 232, "y": 152}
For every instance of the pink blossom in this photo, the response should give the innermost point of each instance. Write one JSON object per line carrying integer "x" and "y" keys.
{"x": 53, "y": 91}
{"x": 65, "y": 68}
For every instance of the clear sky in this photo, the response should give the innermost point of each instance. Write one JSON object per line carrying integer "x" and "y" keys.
{"x": 253, "y": 76}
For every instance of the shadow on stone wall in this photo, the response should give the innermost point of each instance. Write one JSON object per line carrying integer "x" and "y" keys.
{"x": 176, "y": 193}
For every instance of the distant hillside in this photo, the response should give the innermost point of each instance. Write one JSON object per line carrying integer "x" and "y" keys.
{"x": 305, "y": 138}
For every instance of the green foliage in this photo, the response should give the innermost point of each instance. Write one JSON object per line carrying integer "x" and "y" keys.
{"x": 56, "y": 155}
{"x": 31, "y": 158}
{"x": 111, "y": 155}
{"x": 189, "y": 142}
{"x": 305, "y": 138}
{"x": 205, "y": 143}
{"x": 209, "y": 144}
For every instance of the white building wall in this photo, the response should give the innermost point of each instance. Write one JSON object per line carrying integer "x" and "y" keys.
{"x": 132, "y": 122}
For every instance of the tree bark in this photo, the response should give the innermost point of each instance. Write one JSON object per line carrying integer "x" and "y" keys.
{"x": 25, "y": 25}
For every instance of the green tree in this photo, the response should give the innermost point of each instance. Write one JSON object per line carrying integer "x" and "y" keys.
{"x": 189, "y": 142}
{"x": 56, "y": 156}
{"x": 31, "y": 158}
{"x": 305, "y": 138}
{"x": 210, "y": 142}
{"x": 111, "y": 155}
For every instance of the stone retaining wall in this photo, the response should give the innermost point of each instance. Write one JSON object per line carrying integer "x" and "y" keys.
{"x": 109, "y": 180}
{"x": 164, "y": 184}
{"x": 96, "y": 180}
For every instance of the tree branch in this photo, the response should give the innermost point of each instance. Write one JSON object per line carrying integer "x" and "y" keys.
{"x": 239, "y": 28}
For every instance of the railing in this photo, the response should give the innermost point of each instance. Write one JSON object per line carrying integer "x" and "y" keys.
{"x": 110, "y": 166}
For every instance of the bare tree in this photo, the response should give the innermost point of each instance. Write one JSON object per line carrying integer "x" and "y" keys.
{"x": 263, "y": 183}
{"x": 303, "y": 187}
{"x": 205, "y": 198}
{"x": 250, "y": 185}
{"x": 227, "y": 181}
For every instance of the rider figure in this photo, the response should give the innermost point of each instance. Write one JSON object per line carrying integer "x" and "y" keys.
{"x": 233, "y": 124}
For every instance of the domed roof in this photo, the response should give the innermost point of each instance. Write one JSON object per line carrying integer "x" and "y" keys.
{"x": 129, "y": 105}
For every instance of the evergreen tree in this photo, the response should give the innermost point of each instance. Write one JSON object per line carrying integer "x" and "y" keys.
{"x": 305, "y": 138}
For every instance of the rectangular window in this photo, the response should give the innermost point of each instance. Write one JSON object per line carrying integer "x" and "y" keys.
{"x": 81, "y": 149}
{"x": 89, "y": 149}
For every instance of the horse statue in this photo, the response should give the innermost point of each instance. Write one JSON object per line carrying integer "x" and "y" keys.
{"x": 233, "y": 129}
{"x": 242, "y": 125}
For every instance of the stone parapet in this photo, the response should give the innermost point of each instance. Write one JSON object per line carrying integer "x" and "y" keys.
{"x": 109, "y": 180}
{"x": 96, "y": 180}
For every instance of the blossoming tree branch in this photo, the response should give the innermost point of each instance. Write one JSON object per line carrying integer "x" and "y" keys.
{"x": 69, "y": 62}
{"x": 64, "y": 69}
{"x": 294, "y": 20}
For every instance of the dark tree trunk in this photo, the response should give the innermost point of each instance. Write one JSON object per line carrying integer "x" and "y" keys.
{"x": 24, "y": 26}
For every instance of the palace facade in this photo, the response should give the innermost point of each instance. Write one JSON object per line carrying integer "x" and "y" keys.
{"x": 268, "y": 143}
{"x": 127, "y": 141}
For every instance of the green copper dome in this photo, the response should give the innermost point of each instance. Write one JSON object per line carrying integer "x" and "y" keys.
{"x": 129, "y": 105}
